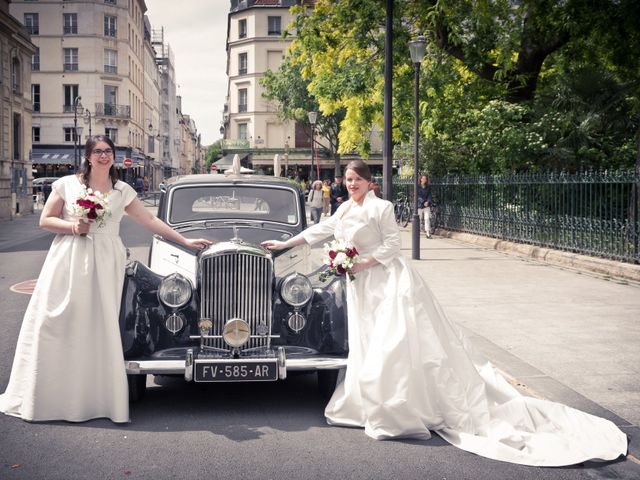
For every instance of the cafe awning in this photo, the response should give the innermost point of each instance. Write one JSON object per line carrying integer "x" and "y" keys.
{"x": 53, "y": 156}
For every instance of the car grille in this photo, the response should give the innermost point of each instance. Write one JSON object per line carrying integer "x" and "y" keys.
{"x": 237, "y": 285}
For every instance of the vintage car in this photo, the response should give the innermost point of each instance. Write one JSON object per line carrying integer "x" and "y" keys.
{"x": 234, "y": 311}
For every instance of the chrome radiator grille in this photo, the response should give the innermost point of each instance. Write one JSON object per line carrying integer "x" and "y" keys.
{"x": 237, "y": 285}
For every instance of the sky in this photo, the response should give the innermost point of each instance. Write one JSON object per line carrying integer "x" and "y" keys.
{"x": 196, "y": 31}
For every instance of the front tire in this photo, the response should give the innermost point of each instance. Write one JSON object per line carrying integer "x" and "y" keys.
{"x": 327, "y": 381}
{"x": 137, "y": 387}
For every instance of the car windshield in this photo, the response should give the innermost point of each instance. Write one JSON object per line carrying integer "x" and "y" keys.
{"x": 233, "y": 202}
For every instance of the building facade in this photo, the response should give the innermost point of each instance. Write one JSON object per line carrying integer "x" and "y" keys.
{"x": 98, "y": 68}
{"x": 16, "y": 51}
{"x": 250, "y": 125}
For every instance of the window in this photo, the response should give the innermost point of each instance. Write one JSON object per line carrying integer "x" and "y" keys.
{"x": 68, "y": 134}
{"x": 15, "y": 75}
{"x": 274, "y": 26}
{"x": 110, "y": 26}
{"x": 242, "y": 100}
{"x": 35, "y": 60}
{"x": 35, "y": 96}
{"x": 242, "y": 64}
{"x": 35, "y": 134}
{"x": 110, "y": 2}
{"x": 112, "y": 133}
{"x": 17, "y": 136}
{"x": 110, "y": 99}
{"x": 71, "y": 59}
{"x": 32, "y": 22}
{"x": 242, "y": 131}
{"x": 70, "y": 94}
{"x": 70, "y": 23}
{"x": 242, "y": 28}
{"x": 110, "y": 61}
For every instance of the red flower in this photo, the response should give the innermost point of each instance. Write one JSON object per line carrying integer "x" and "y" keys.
{"x": 351, "y": 252}
{"x": 92, "y": 215}
{"x": 340, "y": 269}
{"x": 332, "y": 254}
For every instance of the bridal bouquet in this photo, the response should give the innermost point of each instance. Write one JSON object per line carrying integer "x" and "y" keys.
{"x": 92, "y": 206}
{"x": 340, "y": 256}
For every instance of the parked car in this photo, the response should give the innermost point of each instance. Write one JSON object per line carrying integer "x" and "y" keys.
{"x": 234, "y": 311}
{"x": 42, "y": 187}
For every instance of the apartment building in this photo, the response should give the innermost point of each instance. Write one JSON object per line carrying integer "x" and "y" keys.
{"x": 16, "y": 51}
{"x": 99, "y": 68}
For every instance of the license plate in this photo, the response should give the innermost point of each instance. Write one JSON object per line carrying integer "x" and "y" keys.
{"x": 233, "y": 371}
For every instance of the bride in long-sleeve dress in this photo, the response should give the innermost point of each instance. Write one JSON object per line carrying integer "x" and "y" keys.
{"x": 410, "y": 371}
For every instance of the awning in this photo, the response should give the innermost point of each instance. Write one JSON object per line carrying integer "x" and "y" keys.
{"x": 53, "y": 156}
{"x": 226, "y": 161}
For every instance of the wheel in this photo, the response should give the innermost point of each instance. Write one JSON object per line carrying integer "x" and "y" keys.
{"x": 137, "y": 387}
{"x": 405, "y": 215}
{"x": 327, "y": 380}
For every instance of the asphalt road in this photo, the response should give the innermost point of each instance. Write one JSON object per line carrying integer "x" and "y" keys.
{"x": 227, "y": 431}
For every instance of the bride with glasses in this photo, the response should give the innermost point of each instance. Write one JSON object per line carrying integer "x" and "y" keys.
{"x": 69, "y": 363}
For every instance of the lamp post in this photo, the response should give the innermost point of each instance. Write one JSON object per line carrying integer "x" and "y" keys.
{"x": 286, "y": 157}
{"x": 87, "y": 119}
{"x": 417, "y": 48}
{"x": 77, "y": 108}
{"x": 313, "y": 118}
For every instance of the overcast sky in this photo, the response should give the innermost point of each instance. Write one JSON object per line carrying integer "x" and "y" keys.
{"x": 196, "y": 31}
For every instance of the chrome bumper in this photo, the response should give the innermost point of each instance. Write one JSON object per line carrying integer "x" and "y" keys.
{"x": 185, "y": 367}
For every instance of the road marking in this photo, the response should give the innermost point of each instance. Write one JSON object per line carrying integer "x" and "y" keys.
{"x": 26, "y": 287}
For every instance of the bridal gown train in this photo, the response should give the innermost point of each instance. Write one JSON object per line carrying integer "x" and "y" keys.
{"x": 68, "y": 363}
{"x": 410, "y": 370}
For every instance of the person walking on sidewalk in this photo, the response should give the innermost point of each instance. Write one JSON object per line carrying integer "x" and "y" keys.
{"x": 338, "y": 193}
{"x": 69, "y": 363}
{"x": 410, "y": 370}
{"x": 316, "y": 201}
{"x": 424, "y": 205}
{"x": 326, "y": 197}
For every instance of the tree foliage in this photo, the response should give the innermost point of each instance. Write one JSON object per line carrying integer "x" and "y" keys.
{"x": 507, "y": 85}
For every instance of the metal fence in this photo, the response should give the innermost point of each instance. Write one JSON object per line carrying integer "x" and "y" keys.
{"x": 593, "y": 213}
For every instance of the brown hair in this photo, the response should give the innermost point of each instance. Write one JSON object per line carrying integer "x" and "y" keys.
{"x": 85, "y": 169}
{"x": 360, "y": 167}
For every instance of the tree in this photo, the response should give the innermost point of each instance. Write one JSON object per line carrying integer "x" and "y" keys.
{"x": 214, "y": 151}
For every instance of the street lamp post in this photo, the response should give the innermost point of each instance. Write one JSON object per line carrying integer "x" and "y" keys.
{"x": 313, "y": 118}
{"x": 417, "y": 48}
{"x": 77, "y": 108}
{"x": 87, "y": 119}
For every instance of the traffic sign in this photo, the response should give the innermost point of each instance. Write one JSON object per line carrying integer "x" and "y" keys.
{"x": 128, "y": 162}
{"x": 214, "y": 167}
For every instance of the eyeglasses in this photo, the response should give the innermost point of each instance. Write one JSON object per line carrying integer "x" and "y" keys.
{"x": 98, "y": 153}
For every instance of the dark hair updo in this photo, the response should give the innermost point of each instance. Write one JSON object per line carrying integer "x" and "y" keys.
{"x": 360, "y": 167}
{"x": 85, "y": 168}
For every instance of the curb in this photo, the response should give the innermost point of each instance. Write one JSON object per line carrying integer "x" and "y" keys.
{"x": 601, "y": 266}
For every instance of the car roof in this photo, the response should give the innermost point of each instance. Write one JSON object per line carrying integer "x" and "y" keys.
{"x": 44, "y": 179}
{"x": 207, "y": 178}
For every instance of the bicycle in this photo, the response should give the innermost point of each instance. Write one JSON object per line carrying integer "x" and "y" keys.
{"x": 402, "y": 210}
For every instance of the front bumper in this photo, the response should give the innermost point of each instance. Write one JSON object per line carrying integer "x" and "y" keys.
{"x": 185, "y": 367}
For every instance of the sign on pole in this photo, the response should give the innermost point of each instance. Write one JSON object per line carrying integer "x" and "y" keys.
{"x": 127, "y": 162}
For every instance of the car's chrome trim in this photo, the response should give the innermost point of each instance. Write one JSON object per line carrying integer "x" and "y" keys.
{"x": 179, "y": 367}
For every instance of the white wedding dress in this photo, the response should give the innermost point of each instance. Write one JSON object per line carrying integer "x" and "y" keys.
{"x": 410, "y": 370}
{"x": 68, "y": 363}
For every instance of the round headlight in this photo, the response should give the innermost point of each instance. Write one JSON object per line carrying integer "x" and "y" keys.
{"x": 175, "y": 291}
{"x": 236, "y": 332}
{"x": 296, "y": 290}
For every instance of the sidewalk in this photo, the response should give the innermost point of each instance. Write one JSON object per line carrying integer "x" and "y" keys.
{"x": 565, "y": 335}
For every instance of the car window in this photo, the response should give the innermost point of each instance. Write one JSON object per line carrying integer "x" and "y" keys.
{"x": 218, "y": 202}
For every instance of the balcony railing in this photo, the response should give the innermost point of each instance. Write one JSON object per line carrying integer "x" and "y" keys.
{"x": 70, "y": 67}
{"x": 110, "y": 69}
{"x": 112, "y": 110}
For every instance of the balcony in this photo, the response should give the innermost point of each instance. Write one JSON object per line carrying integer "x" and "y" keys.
{"x": 112, "y": 110}
{"x": 70, "y": 67}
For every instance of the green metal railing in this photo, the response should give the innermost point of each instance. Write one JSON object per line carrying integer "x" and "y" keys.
{"x": 593, "y": 213}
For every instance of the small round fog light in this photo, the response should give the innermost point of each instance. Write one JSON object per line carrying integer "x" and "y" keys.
{"x": 174, "y": 323}
{"x": 296, "y": 322}
{"x": 236, "y": 332}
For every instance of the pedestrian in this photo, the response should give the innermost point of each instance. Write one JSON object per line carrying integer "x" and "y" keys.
{"x": 68, "y": 363}
{"x": 373, "y": 186}
{"x": 424, "y": 205}
{"x": 338, "y": 193}
{"x": 326, "y": 197}
{"x": 316, "y": 201}
{"x": 410, "y": 370}
{"x": 138, "y": 185}
{"x": 145, "y": 183}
